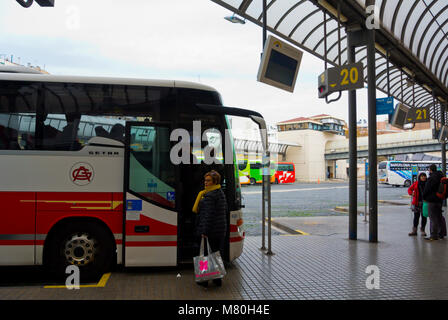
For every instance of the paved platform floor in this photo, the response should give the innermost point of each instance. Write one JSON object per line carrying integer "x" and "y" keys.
{"x": 323, "y": 265}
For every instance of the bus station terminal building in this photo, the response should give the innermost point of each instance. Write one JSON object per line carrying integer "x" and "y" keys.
{"x": 323, "y": 134}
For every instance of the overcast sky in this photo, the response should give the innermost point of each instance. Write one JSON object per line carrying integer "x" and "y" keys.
{"x": 162, "y": 39}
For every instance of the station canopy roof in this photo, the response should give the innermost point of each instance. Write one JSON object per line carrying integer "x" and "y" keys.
{"x": 413, "y": 33}
{"x": 254, "y": 146}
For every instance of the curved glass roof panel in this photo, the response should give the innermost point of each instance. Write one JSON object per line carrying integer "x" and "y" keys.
{"x": 429, "y": 42}
{"x": 399, "y": 18}
{"x": 308, "y": 27}
{"x": 289, "y": 20}
{"x": 234, "y": 3}
{"x": 389, "y": 11}
{"x": 413, "y": 19}
{"x": 419, "y": 26}
{"x": 255, "y": 8}
{"x": 277, "y": 10}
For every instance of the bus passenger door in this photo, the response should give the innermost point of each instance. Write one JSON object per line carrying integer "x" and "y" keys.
{"x": 150, "y": 217}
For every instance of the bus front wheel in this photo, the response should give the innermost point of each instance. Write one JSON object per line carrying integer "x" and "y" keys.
{"x": 85, "y": 245}
{"x": 407, "y": 183}
{"x": 252, "y": 181}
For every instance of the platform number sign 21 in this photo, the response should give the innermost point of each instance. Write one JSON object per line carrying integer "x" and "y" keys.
{"x": 416, "y": 115}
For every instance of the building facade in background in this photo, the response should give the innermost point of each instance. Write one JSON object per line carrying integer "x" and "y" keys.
{"x": 323, "y": 133}
{"x": 384, "y": 127}
{"x": 313, "y": 134}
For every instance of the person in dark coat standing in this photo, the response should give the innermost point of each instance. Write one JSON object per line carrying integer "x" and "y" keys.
{"x": 434, "y": 203}
{"x": 211, "y": 206}
{"x": 190, "y": 186}
{"x": 416, "y": 190}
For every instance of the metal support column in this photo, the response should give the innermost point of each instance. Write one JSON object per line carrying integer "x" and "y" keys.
{"x": 263, "y": 195}
{"x": 263, "y": 214}
{"x": 268, "y": 187}
{"x": 264, "y": 22}
{"x": 443, "y": 145}
{"x": 353, "y": 175}
{"x": 373, "y": 176}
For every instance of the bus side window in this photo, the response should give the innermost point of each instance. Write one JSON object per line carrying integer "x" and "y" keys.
{"x": 60, "y": 132}
{"x": 66, "y": 140}
{"x": 117, "y": 132}
{"x": 27, "y": 141}
{"x": 13, "y": 139}
{"x": 49, "y": 135}
{"x": 101, "y": 132}
{"x": 4, "y": 141}
{"x": 12, "y": 136}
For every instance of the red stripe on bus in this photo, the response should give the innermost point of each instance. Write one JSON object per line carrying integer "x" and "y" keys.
{"x": 236, "y": 239}
{"x": 16, "y": 242}
{"x": 151, "y": 243}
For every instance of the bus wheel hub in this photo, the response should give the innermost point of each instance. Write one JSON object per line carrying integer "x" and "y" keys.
{"x": 80, "y": 249}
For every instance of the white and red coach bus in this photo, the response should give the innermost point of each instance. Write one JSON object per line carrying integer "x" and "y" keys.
{"x": 86, "y": 176}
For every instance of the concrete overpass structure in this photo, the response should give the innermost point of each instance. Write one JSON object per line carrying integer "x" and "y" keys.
{"x": 420, "y": 141}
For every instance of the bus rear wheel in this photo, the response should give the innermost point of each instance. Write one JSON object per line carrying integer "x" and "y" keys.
{"x": 407, "y": 183}
{"x": 85, "y": 245}
{"x": 252, "y": 181}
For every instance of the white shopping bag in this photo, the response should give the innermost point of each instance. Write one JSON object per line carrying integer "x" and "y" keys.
{"x": 208, "y": 267}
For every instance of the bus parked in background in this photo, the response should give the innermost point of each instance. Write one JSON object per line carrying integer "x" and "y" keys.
{"x": 399, "y": 173}
{"x": 87, "y": 177}
{"x": 256, "y": 172}
{"x": 251, "y": 171}
{"x": 244, "y": 171}
{"x": 285, "y": 173}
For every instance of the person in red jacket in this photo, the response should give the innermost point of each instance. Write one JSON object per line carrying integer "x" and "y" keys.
{"x": 416, "y": 190}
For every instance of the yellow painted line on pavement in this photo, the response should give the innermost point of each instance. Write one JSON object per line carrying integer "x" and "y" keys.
{"x": 302, "y": 232}
{"x": 103, "y": 280}
{"x": 299, "y": 233}
{"x": 100, "y": 284}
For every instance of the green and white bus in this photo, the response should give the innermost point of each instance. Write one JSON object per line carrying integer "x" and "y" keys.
{"x": 251, "y": 172}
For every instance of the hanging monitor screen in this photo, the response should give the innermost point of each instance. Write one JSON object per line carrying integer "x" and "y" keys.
{"x": 281, "y": 68}
{"x": 280, "y": 64}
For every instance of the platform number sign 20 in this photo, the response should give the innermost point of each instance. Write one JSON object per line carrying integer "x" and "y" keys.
{"x": 349, "y": 76}
{"x": 346, "y": 77}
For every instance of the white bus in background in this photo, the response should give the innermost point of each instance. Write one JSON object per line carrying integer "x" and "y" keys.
{"x": 399, "y": 173}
